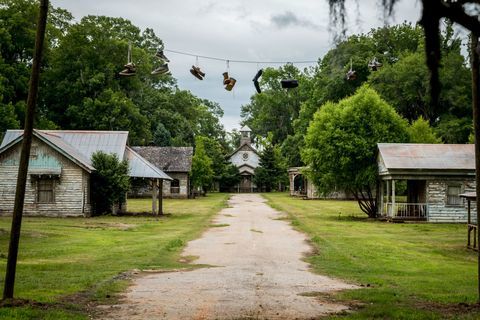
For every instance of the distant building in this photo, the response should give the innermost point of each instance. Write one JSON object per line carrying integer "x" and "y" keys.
{"x": 301, "y": 186}
{"x": 432, "y": 177}
{"x": 246, "y": 159}
{"x": 176, "y": 162}
{"x": 58, "y": 181}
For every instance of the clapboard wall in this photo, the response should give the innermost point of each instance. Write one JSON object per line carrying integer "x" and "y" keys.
{"x": 71, "y": 186}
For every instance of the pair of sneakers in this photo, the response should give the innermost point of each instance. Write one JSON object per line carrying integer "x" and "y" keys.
{"x": 255, "y": 80}
{"x": 163, "y": 68}
{"x": 289, "y": 83}
{"x": 374, "y": 64}
{"x": 351, "y": 75}
{"x": 197, "y": 73}
{"x": 129, "y": 70}
{"x": 228, "y": 82}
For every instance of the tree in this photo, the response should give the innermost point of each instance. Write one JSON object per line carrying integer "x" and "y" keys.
{"x": 161, "y": 136}
{"x": 110, "y": 182}
{"x": 229, "y": 177}
{"x": 270, "y": 171}
{"x": 202, "y": 170}
{"x": 421, "y": 132}
{"x": 341, "y": 143}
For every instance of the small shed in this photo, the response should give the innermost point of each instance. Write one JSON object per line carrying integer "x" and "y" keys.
{"x": 174, "y": 161}
{"x": 58, "y": 181}
{"x": 424, "y": 181}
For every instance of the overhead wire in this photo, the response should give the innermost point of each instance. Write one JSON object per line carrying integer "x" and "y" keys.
{"x": 239, "y": 61}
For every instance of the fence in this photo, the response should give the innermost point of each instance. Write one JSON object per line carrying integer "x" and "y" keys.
{"x": 407, "y": 211}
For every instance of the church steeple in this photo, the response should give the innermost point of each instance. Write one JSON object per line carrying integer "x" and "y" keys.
{"x": 245, "y": 131}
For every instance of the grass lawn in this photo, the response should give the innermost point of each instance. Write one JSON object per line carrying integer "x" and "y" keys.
{"x": 409, "y": 271}
{"x": 64, "y": 259}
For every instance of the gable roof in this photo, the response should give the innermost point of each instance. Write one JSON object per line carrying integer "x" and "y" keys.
{"x": 79, "y": 146}
{"x": 168, "y": 159}
{"x": 419, "y": 156}
{"x": 245, "y": 144}
{"x": 53, "y": 141}
{"x": 141, "y": 168}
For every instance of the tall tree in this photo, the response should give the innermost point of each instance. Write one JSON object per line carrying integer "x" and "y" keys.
{"x": 202, "y": 170}
{"x": 341, "y": 143}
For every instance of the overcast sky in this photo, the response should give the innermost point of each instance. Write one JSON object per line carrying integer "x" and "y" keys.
{"x": 264, "y": 30}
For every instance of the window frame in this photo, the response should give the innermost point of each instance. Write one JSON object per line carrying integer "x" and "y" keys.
{"x": 51, "y": 189}
{"x": 448, "y": 196}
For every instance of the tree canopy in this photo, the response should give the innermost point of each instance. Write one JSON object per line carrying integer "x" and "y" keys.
{"x": 341, "y": 143}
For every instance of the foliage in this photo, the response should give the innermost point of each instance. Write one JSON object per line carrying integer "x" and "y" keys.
{"x": 271, "y": 172}
{"x": 341, "y": 143}
{"x": 421, "y": 132}
{"x": 453, "y": 129}
{"x": 202, "y": 169}
{"x": 386, "y": 260}
{"x": 229, "y": 177}
{"x": 109, "y": 182}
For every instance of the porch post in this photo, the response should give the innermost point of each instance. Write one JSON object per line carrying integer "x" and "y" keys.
{"x": 393, "y": 198}
{"x": 154, "y": 197}
{"x": 388, "y": 196}
{"x": 380, "y": 201}
{"x": 160, "y": 197}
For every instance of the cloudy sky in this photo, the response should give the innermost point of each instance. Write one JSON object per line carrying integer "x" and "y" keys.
{"x": 267, "y": 30}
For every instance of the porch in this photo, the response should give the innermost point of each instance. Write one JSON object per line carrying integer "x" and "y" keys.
{"x": 404, "y": 200}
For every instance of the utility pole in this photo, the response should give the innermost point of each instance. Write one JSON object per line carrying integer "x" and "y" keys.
{"x": 25, "y": 154}
{"x": 476, "y": 125}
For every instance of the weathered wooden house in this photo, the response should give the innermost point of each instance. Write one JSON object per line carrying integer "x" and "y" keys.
{"x": 58, "y": 181}
{"x": 174, "y": 161}
{"x": 246, "y": 159}
{"x": 430, "y": 178}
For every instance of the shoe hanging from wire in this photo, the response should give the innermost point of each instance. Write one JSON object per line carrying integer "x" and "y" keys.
{"x": 228, "y": 81}
{"x": 255, "y": 80}
{"x": 163, "y": 68}
{"x": 374, "y": 64}
{"x": 351, "y": 74}
{"x": 196, "y": 72}
{"x": 129, "y": 69}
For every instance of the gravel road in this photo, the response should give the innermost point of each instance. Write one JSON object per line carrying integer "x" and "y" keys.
{"x": 256, "y": 272}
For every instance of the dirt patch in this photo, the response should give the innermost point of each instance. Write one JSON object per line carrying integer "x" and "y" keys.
{"x": 453, "y": 310}
{"x": 258, "y": 275}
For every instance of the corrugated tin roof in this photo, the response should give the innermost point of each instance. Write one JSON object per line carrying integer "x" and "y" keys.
{"x": 80, "y": 145}
{"x": 168, "y": 159}
{"x": 85, "y": 142}
{"x": 418, "y": 156}
{"x": 141, "y": 168}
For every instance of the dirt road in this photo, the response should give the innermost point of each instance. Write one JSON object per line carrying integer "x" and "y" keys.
{"x": 257, "y": 273}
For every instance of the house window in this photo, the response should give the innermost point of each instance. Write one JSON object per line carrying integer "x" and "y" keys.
{"x": 45, "y": 190}
{"x": 175, "y": 186}
{"x": 453, "y": 196}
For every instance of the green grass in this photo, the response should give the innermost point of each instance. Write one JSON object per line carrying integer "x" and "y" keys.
{"x": 60, "y": 257}
{"x": 413, "y": 271}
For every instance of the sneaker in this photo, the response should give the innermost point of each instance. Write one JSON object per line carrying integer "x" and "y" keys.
{"x": 161, "y": 56}
{"x": 127, "y": 72}
{"x": 289, "y": 83}
{"x": 258, "y": 75}
{"x": 257, "y": 86}
{"x": 163, "y": 69}
{"x": 226, "y": 79}
{"x": 374, "y": 64}
{"x": 351, "y": 75}
{"x": 195, "y": 73}
{"x": 230, "y": 84}
{"x": 197, "y": 70}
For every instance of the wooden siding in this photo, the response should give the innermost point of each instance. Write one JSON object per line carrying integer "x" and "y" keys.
{"x": 71, "y": 188}
{"x": 438, "y": 209}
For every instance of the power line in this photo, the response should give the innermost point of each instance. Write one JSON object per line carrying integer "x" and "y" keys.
{"x": 240, "y": 61}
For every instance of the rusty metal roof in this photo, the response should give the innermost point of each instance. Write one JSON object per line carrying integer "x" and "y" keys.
{"x": 418, "y": 156}
{"x": 141, "y": 168}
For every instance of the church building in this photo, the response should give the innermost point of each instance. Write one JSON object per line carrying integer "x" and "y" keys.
{"x": 246, "y": 159}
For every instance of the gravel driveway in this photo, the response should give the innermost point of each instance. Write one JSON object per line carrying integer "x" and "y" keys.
{"x": 257, "y": 273}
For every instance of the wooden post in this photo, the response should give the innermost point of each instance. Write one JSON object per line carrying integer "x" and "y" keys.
{"x": 380, "y": 198}
{"x": 154, "y": 197}
{"x": 393, "y": 199}
{"x": 25, "y": 154}
{"x": 160, "y": 197}
{"x": 476, "y": 126}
